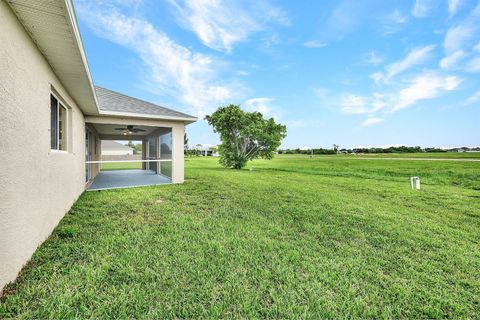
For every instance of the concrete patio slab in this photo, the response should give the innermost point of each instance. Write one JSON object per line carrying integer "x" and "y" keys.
{"x": 126, "y": 179}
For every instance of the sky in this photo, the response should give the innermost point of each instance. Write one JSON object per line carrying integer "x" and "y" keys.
{"x": 354, "y": 73}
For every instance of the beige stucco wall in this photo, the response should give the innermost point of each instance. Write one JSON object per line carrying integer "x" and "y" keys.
{"x": 37, "y": 186}
{"x": 178, "y": 130}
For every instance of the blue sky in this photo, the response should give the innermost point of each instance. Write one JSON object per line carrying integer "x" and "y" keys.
{"x": 354, "y": 73}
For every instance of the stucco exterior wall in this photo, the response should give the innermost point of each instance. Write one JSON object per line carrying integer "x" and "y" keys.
{"x": 37, "y": 185}
{"x": 178, "y": 132}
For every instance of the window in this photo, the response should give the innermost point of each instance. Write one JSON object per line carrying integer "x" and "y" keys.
{"x": 58, "y": 125}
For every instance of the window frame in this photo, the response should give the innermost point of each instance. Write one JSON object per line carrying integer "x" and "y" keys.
{"x": 65, "y": 125}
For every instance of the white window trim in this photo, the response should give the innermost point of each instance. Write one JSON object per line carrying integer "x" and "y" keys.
{"x": 61, "y": 104}
{"x": 65, "y": 126}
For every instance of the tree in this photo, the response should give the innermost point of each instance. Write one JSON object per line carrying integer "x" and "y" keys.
{"x": 245, "y": 135}
{"x": 335, "y": 147}
{"x": 137, "y": 148}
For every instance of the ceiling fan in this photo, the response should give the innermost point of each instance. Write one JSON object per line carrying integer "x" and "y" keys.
{"x": 130, "y": 129}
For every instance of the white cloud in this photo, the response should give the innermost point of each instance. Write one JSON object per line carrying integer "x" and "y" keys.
{"x": 457, "y": 36}
{"x": 397, "y": 17}
{"x": 320, "y": 92}
{"x": 393, "y": 22}
{"x": 458, "y": 42}
{"x": 373, "y": 58}
{"x": 474, "y": 65}
{"x": 171, "y": 69}
{"x": 343, "y": 19}
{"x": 262, "y": 105}
{"x": 476, "y": 11}
{"x": 315, "y": 44}
{"x": 243, "y": 73}
{"x": 414, "y": 57}
{"x": 451, "y": 60}
{"x": 372, "y": 121}
{"x": 269, "y": 41}
{"x": 353, "y": 104}
{"x": 378, "y": 102}
{"x": 425, "y": 86}
{"x": 221, "y": 24}
{"x": 474, "y": 98}
{"x": 377, "y": 77}
{"x": 453, "y": 6}
{"x": 324, "y": 97}
{"x": 421, "y": 8}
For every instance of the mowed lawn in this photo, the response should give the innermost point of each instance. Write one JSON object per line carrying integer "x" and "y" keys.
{"x": 417, "y": 155}
{"x": 293, "y": 238}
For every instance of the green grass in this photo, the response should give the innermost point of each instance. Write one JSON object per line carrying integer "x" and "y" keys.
{"x": 438, "y": 155}
{"x": 121, "y": 166}
{"x": 294, "y": 238}
{"x": 427, "y": 155}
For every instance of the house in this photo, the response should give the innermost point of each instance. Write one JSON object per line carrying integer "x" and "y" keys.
{"x": 53, "y": 119}
{"x": 206, "y": 150}
{"x": 113, "y": 148}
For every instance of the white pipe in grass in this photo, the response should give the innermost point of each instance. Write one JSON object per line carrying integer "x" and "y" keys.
{"x": 415, "y": 183}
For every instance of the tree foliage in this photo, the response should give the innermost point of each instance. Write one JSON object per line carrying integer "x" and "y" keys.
{"x": 137, "y": 147}
{"x": 245, "y": 135}
{"x": 400, "y": 149}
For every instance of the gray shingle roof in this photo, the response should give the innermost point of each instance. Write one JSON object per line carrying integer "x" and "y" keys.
{"x": 111, "y": 101}
{"x": 113, "y": 145}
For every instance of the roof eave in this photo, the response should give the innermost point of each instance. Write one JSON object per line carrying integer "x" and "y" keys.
{"x": 74, "y": 75}
{"x": 186, "y": 120}
{"x": 78, "y": 37}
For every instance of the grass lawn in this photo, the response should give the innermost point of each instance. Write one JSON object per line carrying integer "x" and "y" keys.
{"x": 294, "y": 238}
{"x": 121, "y": 166}
{"x": 438, "y": 155}
{"x": 427, "y": 155}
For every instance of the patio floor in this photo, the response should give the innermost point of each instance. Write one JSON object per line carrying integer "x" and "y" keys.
{"x": 126, "y": 179}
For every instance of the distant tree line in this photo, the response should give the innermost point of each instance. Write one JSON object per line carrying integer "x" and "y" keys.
{"x": 304, "y": 151}
{"x": 137, "y": 147}
{"x": 401, "y": 149}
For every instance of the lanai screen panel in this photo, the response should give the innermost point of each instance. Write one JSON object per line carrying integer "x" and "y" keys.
{"x": 152, "y": 153}
{"x": 166, "y": 153}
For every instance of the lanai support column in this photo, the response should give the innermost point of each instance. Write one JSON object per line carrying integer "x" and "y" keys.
{"x": 178, "y": 131}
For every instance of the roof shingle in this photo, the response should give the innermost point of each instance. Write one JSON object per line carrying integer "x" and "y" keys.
{"x": 111, "y": 101}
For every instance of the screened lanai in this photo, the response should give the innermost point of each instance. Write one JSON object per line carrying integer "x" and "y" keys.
{"x": 151, "y": 165}
{"x": 158, "y": 134}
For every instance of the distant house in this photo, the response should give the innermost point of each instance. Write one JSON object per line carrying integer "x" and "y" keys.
{"x": 464, "y": 149}
{"x": 206, "y": 150}
{"x": 113, "y": 148}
